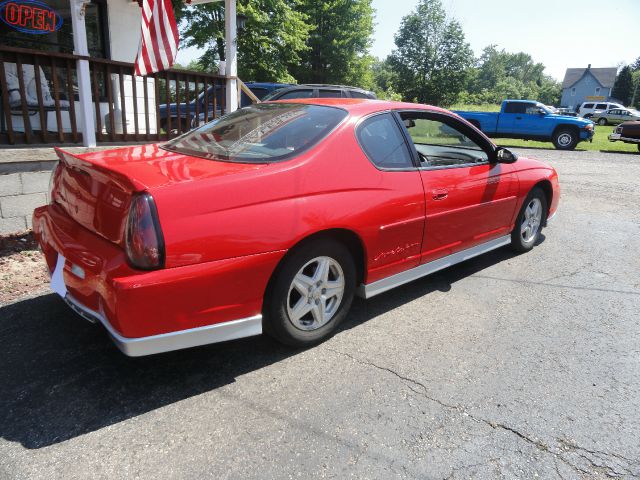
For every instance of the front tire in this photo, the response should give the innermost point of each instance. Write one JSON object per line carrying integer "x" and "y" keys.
{"x": 530, "y": 220}
{"x": 311, "y": 293}
{"x": 602, "y": 121}
{"x": 565, "y": 139}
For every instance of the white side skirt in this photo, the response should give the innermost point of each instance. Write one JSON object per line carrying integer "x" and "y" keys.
{"x": 375, "y": 288}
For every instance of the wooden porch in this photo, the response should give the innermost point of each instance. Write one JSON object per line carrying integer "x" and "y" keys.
{"x": 40, "y": 101}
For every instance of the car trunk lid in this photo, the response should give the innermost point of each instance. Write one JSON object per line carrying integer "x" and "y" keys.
{"x": 95, "y": 189}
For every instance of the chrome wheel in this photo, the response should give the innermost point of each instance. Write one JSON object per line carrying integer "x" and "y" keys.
{"x": 565, "y": 139}
{"x": 531, "y": 220}
{"x": 315, "y": 293}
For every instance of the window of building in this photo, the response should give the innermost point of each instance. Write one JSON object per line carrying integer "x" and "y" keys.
{"x": 61, "y": 41}
{"x": 573, "y": 92}
{"x": 597, "y": 90}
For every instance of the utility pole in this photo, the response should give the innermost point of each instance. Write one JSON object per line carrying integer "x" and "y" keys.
{"x": 635, "y": 91}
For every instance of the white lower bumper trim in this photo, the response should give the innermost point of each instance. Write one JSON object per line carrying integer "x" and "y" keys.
{"x": 166, "y": 342}
{"x": 375, "y": 288}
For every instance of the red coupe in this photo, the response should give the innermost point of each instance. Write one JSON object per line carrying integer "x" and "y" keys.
{"x": 273, "y": 217}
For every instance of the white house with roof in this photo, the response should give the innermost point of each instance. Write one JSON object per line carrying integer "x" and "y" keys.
{"x": 584, "y": 84}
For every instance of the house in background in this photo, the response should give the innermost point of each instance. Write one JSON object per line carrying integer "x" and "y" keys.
{"x": 584, "y": 84}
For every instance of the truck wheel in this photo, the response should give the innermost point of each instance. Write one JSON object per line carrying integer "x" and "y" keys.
{"x": 602, "y": 121}
{"x": 639, "y": 148}
{"x": 565, "y": 139}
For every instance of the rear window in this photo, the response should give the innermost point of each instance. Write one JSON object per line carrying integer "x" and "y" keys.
{"x": 261, "y": 133}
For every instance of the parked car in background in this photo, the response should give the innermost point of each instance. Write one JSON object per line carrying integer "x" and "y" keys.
{"x": 587, "y": 109}
{"x": 627, "y": 132}
{"x": 318, "y": 91}
{"x": 273, "y": 217}
{"x": 563, "y": 111}
{"x": 531, "y": 120}
{"x": 615, "y": 116}
{"x": 184, "y": 113}
{"x": 291, "y": 92}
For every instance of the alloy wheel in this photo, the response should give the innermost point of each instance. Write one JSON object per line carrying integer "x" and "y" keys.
{"x": 315, "y": 293}
{"x": 531, "y": 221}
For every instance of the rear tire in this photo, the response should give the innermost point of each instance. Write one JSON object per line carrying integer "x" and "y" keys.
{"x": 602, "y": 121}
{"x": 310, "y": 294}
{"x": 565, "y": 139}
{"x": 531, "y": 218}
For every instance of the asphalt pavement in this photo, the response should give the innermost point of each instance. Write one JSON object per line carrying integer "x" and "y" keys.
{"x": 507, "y": 366}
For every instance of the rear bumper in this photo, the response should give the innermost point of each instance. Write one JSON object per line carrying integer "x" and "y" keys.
{"x": 161, "y": 310}
{"x": 166, "y": 342}
{"x": 614, "y": 137}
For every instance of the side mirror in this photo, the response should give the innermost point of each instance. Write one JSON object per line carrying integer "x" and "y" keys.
{"x": 409, "y": 123}
{"x": 502, "y": 155}
{"x": 542, "y": 112}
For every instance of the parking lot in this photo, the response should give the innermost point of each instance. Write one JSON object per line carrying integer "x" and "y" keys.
{"x": 506, "y": 366}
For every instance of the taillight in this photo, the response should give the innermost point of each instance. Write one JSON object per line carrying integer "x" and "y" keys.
{"x": 144, "y": 242}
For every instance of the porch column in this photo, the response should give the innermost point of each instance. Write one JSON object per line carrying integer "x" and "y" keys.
{"x": 87, "y": 125}
{"x": 231, "y": 54}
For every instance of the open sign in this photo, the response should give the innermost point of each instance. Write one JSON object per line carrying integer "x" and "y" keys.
{"x": 30, "y": 16}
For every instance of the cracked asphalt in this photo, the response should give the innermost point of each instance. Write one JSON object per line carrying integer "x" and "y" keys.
{"x": 506, "y": 366}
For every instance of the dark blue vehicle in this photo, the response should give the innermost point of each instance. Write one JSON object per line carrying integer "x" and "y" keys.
{"x": 186, "y": 115}
{"x": 531, "y": 120}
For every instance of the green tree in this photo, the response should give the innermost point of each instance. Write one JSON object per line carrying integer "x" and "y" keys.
{"x": 431, "y": 56}
{"x": 499, "y": 74}
{"x": 273, "y": 39}
{"x": 338, "y": 43}
{"x": 623, "y": 86}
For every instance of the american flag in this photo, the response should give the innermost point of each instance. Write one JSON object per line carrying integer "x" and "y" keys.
{"x": 159, "y": 42}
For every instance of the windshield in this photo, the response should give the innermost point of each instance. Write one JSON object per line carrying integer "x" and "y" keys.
{"x": 261, "y": 133}
{"x": 545, "y": 108}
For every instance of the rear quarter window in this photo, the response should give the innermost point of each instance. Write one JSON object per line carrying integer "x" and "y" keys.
{"x": 383, "y": 142}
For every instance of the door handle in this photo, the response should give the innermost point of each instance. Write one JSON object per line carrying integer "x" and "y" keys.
{"x": 518, "y": 118}
{"x": 440, "y": 194}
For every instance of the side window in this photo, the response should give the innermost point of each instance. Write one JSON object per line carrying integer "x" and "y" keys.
{"x": 296, "y": 94}
{"x": 260, "y": 92}
{"x": 356, "y": 94}
{"x": 383, "y": 142}
{"x": 601, "y": 106}
{"x": 532, "y": 110}
{"x": 441, "y": 144}
{"x": 330, "y": 93}
{"x": 515, "y": 107}
{"x": 588, "y": 105}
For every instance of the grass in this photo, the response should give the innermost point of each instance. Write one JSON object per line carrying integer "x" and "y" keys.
{"x": 599, "y": 143}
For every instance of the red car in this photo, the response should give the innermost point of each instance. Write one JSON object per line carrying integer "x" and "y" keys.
{"x": 273, "y": 217}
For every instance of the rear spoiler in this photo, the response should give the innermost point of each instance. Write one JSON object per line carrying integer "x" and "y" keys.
{"x": 100, "y": 171}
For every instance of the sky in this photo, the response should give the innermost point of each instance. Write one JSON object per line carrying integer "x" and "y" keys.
{"x": 559, "y": 33}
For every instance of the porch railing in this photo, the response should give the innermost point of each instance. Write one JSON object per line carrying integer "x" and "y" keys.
{"x": 40, "y": 102}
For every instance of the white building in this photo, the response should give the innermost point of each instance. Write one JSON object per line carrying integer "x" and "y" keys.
{"x": 74, "y": 83}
